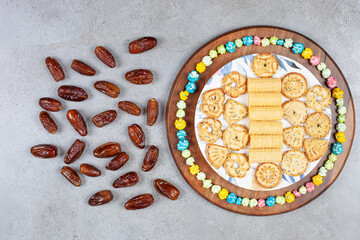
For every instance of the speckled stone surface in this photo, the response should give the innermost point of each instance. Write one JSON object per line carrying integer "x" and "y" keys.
{"x": 36, "y": 202}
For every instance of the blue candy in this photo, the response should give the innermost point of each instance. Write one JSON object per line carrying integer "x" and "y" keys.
{"x": 270, "y": 201}
{"x": 248, "y": 40}
{"x": 230, "y": 46}
{"x": 231, "y": 198}
{"x": 298, "y": 48}
{"x": 238, "y": 201}
{"x": 337, "y": 148}
{"x": 182, "y": 145}
{"x": 181, "y": 134}
{"x": 280, "y": 42}
{"x": 193, "y": 76}
{"x": 190, "y": 87}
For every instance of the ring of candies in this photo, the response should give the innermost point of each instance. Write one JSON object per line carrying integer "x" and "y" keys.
{"x": 180, "y": 123}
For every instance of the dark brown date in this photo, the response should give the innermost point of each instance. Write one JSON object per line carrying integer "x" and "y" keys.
{"x": 44, "y": 151}
{"x": 50, "y": 104}
{"x": 166, "y": 189}
{"x": 152, "y": 111}
{"x": 89, "y": 170}
{"x": 150, "y": 159}
{"x": 139, "y": 76}
{"x": 105, "y": 56}
{"x": 139, "y": 202}
{"x": 118, "y": 161}
{"x": 72, "y": 93}
{"x": 142, "y": 45}
{"x": 47, "y": 122}
{"x": 55, "y": 69}
{"x": 82, "y": 68}
{"x": 77, "y": 121}
{"x": 101, "y": 198}
{"x": 106, "y": 150}
{"x": 137, "y": 135}
{"x": 126, "y": 180}
{"x": 107, "y": 88}
{"x": 74, "y": 152}
{"x": 104, "y": 118}
{"x": 71, "y": 175}
{"x": 130, "y": 108}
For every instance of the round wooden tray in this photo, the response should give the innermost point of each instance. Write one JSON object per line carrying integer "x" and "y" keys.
{"x": 179, "y": 85}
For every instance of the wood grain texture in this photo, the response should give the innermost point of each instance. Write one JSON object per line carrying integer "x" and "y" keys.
{"x": 179, "y": 85}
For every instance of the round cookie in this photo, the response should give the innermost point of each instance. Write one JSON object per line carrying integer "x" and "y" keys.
{"x": 242, "y": 167}
{"x": 318, "y": 98}
{"x": 268, "y": 175}
{"x": 265, "y": 65}
{"x": 210, "y": 130}
{"x": 293, "y": 85}
{"x": 317, "y": 125}
{"x": 236, "y": 137}
{"x": 234, "y": 84}
{"x": 294, "y": 163}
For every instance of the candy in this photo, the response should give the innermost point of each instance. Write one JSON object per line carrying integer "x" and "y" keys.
{"x": 303, "y": 190}
{"x": 280, "y": 42}
{"x": 180, "y": 124}
{"x": 280, "y": 200}
{"x": 182, "y": 145}
{"x": 207, "y": 183}
{"x": 337, "y": 148}
{"x": 314, "y": 60}
{"x": 180, "y": 113}
{"x": 207, "y": 60}
{"x": 321, "y": 66}
{"x": 273, "y": 40}
{"x": 339, "y": 103}
{"x": 238, "y": 42}
{"x": 317, "y": 180}
{"x": 213, "y": 53}
{"x": 340, "y": 137}
{"x": 253, "y": 202}
{"x": 337, "y": 93}
{"x": 289, "y": 197}
{"x": 261, "y": 202}
{"x": 288, "y": 43}
{"x": 248, "y": 40}
{"x": 322, "y": 171}
{"x": 181, "y": 104}
{"x": 329, "y": 165}
{"x": 184, "y": 95}
{"x": 245, "y": 202}
{"x": 342, "y": 109}
{"x": 231, "y": 198}
{"x": 310, "y": 186}
{"x": 307, "y": 53}
{"x": 200, "y": 67}
{"x": 341, "y": 127}
{"x": 230, "y": 46}
{"x": 265, "y": 42}
{"x": 238, "y": 201}
{"x": 193, "y": 76}
{"x": 190, "y": 161}
{"x": 297, "y": 193}
{"x": 326, "y": 73}
{"x": 190, "y": 87}
{"x": 331, "y": 82}
{"x": 201, "y": 176}
{"x": 221, "y": 49}
{"x": 341, "y": 118}
{"x": 194, "y": 169}
{"x": 270, "y": 201}
{"x": 257, "y": 40}
{"x": 181, "y": 134}
{"x": 223, "y": 194}
{"x": 215, "y": 189}
{"x": 186, "y": 153}
{"x": 332, "y": 157}
{"x": 298, "y": 48}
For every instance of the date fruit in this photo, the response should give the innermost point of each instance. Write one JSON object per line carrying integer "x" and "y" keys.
{"x": 142, "y": 45}
{"x": 150, "y": 159}
{"x": 139, "y": 76}
{"x": 74, "y": 152}
{"x": 89, "y": 170}
{"x": 130, "y": 108}
{"x": 118, "y": 161}
{"x": 126, "y": 180}
{"x": 48, "y": 123}
{"x": 71, "y": 175}
{"x": 166, "y": 189}
{"x": 107, "y": 88}
{"x": 104, "y": 118}
{"x": 44, "y": 151}
{"x": 82, "y": 68}
{"x": 101, "y": 198}
{"x": 137, "y": 136}
{"x": 55, "y": 69}
{"x": 106, "y": 150}
{"x": 152, "y": 111}
{"x": 72, "y": 93}
{"x": 77, "y": 121}
{"x": 50, "y": 104}
{"x": 105, "y": 56}
{"x": 139, "y": 202}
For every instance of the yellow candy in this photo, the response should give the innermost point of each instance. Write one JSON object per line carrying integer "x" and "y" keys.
{"x": 223, "y": 194}
{"x": 307, "y": 53}
{"x": 200, "y": 67}
{"x": 317, "y": 180}
{"x": 289, "y": 197}
{"x": 340, "y": 137}
{"x": 180, "y": 124}
{"x": 337, "y": 93}
{"x": 184, "y": 95}
{"x": 194, "y": 169}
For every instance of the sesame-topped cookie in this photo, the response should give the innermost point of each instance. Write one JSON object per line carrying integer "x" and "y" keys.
{"x": 234, "y": 111}
{"x": 294, "y": 111}
{"x": 294, "y": 163}
{"x": 210, "y": 130}
{"x": 317, "y": 125}
{"x": 268, "y": 175}
{"x": 318, "y": 98}
{"x": 293, "y": 85}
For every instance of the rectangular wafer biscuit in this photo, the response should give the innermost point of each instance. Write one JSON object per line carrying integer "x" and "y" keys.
{"x": 265, "y": 99}
{"x": 266, "y": 141}
{"x": 265, "y": 155}
{"x": 264, "y": 85}
{"x": 265, "y": 113}
{"x": 265, "y": 127}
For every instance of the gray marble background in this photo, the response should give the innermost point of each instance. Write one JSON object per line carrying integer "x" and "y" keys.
{"x": 36, "y": 202}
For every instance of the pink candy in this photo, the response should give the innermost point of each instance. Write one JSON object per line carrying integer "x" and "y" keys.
{"x": 310, "y": 186}
{"x": 296, "y": 193}
{"x": 314, "y": 60}
{"x": 331, "y": 82}
{"x": 257, "y": 40}
{"x": 261, "y": 202}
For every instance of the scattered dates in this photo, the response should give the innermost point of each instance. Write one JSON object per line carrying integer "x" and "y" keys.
{"x": 82, "y": 68}
{"x": 130, "y": 107}
{"x": 150, "y": 159}
{"x": 139, "y": 202}
{"x": 139, "y": 76}
{"x": 100, "y": 198}
{"x": 74, "y": 152}
{"x": 50, "y": 104}
{"x": 142, "y": 45}
{"x": 106, "y": 150}
{"x": 152, "y": 111}
{"x": 72, "y": 93}
{"x": 105, "y": 56}
{"x": 137, "y": 136}
{"x": 44, "y": 151}
{"x": 77, "y": 121}
{"x": 55, "y": 69}
{"x": 126, "y": 180}
{"x": 118, "y": 161}
{"x": 104, "y": 118}
{"x": 89, "y": 170}
{"x": 107, "y": 88}
{"x": 166, "y": 189}
{"x": 47, "y": 122}
{"x": 71, "y": 175}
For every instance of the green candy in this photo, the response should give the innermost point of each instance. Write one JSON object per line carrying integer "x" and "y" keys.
{"x": 221, "y": 49}
{"x": 302, "y": 190}
{"x": 213, "y": 53}
{"x": 273, "y": 40}
{"x": 341, "y": 110}
{"x": 332, "y": 157}
{"x": 238, "y": 42}
{"x": 341, "y": 118}
{"x": 340, "y": 102}
{"x": 322, "y": 171}
{"x": 329, "y": 165}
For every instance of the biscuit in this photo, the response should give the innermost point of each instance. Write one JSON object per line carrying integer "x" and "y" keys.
{"x": 236, "y": 137}
{"x": 236, "y": 165}
{"x": 234, "y": 111}
{"x": 263, "y": 85}
{"x": 268, "y": 175}
{"x": 216, "y": 155}
{"x": 294, "y": 111}
{"x": 315, "y": 148}
{"x": 265, "y": 99}
{"x": 265, "y": 65}
{"x": 265, "y": 155}
{"x": 265, "y": 127}
{"x": 293, "y": 85}
{"x": 294, "y": 163}
{"x": 265, "y": 113}
{"x": 318, "y": 98}
{"x": 266, "y": 141}
{"x": 210, "y": 130}
{"x": 234, "y": 84}
{"x": 213, "y": 102}
{"x": 317, "y": 125}
{"x": 294, "y": 137}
